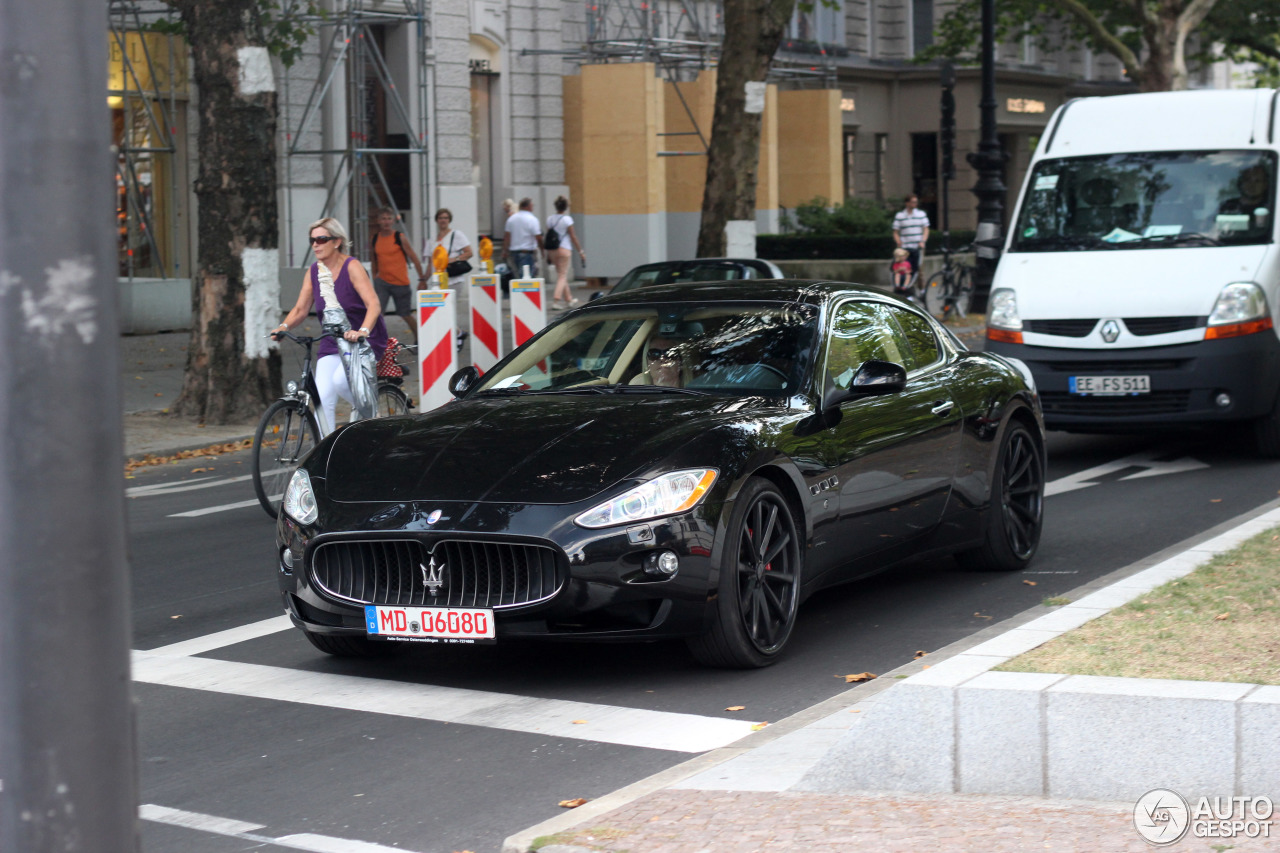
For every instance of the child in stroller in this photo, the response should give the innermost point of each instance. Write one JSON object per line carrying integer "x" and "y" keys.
{"x": 902, "y": 272}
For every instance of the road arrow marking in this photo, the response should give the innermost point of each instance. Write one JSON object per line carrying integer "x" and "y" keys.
{"x": 1149, "y": 460}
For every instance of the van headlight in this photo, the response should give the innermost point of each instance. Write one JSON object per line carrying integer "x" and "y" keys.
{"x": 675, "y": 492}
{"x": 1238, "y": 303}
{"x": 299, "y": 499}
{"x": 1002, "y": 312}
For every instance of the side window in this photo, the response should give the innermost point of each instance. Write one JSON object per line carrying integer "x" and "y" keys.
{"x": 922, "y": 344}
{"x": 861, "y": 332}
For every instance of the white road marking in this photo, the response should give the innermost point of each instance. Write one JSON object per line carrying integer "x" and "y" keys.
{"x": 552, "y": 717}
{"x": 251, "y": 832}
{"x": 229, "y": 637}
{"x": 1147, "y": 460}
{"x": 210, "y": 510}
{"x": 183, "y": 486}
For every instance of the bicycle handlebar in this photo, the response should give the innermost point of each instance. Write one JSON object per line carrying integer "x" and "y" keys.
{"x": 307, "y": 339}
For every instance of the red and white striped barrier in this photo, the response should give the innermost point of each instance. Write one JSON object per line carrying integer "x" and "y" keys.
{"x": 486, "y": 320}
{"x": 528, "y": 316}
{"x": 437, "y": 350}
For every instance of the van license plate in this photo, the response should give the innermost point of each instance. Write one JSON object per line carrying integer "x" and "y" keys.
{"x": 1114, "y": 386}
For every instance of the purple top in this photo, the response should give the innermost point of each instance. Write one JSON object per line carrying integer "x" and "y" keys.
{"x": 353, "y": 305}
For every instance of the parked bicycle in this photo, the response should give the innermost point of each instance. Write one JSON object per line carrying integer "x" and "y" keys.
{"x": 294, "y": 424}
{"x": 947, "y": 293}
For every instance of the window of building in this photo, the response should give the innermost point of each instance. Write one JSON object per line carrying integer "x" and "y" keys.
{"x": 882, "y": 157}
{"x": 821, "y": 24}
{"x": 921, "y": 25}
{"x": 924, "y": 172}
{"x": 850, "y": 143}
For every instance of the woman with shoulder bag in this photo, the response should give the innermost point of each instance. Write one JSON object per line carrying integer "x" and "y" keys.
{"x": 454, "y": 242}
{"x": 558, "y": 236}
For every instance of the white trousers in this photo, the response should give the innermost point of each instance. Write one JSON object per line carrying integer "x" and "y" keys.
{"x": 331, "y": 381}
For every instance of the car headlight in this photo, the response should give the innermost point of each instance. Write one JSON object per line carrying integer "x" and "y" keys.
{"x": 675, "y": 492}
{"x": 1238, "y": 303}
{"x": 299, "y": 499}
{"x": 1002, "y": 313}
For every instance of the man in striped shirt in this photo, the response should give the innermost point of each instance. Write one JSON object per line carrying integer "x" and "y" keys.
{"x": 911, "y": 230}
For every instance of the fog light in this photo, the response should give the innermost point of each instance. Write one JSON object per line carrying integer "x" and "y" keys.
{"x": 286, "y": 558}
{"x": 662, "y": 563}
{"x": 1223, "y": 400}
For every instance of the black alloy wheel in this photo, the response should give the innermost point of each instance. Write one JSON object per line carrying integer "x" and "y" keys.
{"x": 1016, "y": 515}
{"x": 759, "y": 589}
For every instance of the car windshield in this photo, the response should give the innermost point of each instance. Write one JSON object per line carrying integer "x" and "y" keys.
{"x": 737, "y": 348}
{"x": 1148, "y": 200}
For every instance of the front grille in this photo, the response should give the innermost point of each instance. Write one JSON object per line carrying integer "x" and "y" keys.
{"x": 1155, "y": 403}
{"x": 1116, "y": 366}
{"x": 472, "y": 573}
{"x": 1160, "y": 325}
{"x": 1062, "y": 328}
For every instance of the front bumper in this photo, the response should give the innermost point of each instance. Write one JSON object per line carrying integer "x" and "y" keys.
{"x": 601, "y": 590}
{"x": 1186, "y": 379}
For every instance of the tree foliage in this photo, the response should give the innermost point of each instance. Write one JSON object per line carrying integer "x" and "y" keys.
{"x": 1153, "y": 39}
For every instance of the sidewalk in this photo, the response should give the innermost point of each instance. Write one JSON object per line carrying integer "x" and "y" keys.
{"x": 947, "y": 756}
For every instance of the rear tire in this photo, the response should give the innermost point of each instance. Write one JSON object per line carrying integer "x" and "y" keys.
{"x": 344, "y": 646}
{"x": 391, "y": 401}
{"x": 759, "y": 589}
{"x": 284, "y": 436}
{"x": 1016, "y": 514}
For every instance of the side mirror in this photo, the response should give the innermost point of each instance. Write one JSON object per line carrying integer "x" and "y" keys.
{"x": 462, "y": 380}
{"x": 872, "y": 379}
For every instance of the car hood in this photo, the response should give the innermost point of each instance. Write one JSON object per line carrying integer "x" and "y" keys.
{"x": 534, "y": 449}
{"x": 1177, "y": 282}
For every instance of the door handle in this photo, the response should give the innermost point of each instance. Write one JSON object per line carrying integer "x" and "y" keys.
{"x": 942, "y": 408}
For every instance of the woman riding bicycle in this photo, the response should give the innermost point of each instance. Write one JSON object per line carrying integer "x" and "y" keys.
{"x": 343, "y": 280}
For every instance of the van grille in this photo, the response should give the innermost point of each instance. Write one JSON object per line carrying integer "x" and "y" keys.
{"x": 1116, "y": 365}
{"x": 1155, "y": 403}
{"x": 1062, "y": 328}
{"x": 1160, "y": 325}
{"x": 472, "y": 573}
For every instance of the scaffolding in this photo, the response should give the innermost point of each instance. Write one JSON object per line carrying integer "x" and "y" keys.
{"x": 355, "y": 81}
{"x": 147, "y": 75}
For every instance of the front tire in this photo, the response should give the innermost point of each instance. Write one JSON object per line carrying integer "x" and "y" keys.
{"x": 759, "y": 589}
{"x": 1016, "y": 514}
{"x": 284, "y": 436}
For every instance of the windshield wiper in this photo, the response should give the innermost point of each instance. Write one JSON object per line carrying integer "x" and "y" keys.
{"x": 653, "y": 389}
{"x": 1065, "y": 242}
{"x": 1183, "y": 237}
{"x": 503, "y": 392}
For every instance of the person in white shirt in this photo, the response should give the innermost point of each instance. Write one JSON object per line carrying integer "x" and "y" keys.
{"x": 911, "y": 230}
{"x": 454, "y": 241}
{"x": 523, "y": 240}
{"x": 561, "y": 257}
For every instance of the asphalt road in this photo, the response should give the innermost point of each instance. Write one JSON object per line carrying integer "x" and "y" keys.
{"x": 254, "y": 740}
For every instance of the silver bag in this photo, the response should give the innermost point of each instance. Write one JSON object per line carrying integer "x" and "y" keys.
{"x": 359, "y": 363}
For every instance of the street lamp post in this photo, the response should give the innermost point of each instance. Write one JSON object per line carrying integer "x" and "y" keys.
{"x": 989, "y": 162}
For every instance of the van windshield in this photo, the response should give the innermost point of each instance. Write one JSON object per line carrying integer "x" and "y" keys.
{"x": 1148, "y": 200}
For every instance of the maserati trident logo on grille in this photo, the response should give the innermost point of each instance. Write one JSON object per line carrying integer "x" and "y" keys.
{"x": 1110, "y": 331}
{"x": 432, "y": 576}
{"x": 434, "y": 516}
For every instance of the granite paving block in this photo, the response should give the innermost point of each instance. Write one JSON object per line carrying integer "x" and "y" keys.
{"x": 775, "y": 766}
{"x": 1108, "y": 598}
{"x": 1065, "y": 618}
{"x": 1013, "y": 643}
{"x": 956, "y": 670}
{"x": 1260, "y": 744}
{"x": 1117, "y": 738}
{"x": 903, "y": 743}
{"x": 999, "y": 736}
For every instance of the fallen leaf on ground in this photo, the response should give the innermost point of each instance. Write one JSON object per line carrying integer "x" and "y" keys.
{"x": 926, "y": 666}
{"x": 574, "y": 803}
{"x": 758, "y": 726}
{"x": 213, "y": 450}
{"x": 1221, "y": 616}
{"x": 1029, "y": 583}
{"x": 921, "y": 653}
{"x": 980, "y": 616}
{"x": 200, "y": 470}
{"x": 179, "y": 616}
{"x": 861, "y": 676}
{"x": 579, "y": 722}
{"x": 736, "y": 708}
{"x": 159, "y": 393}
{"x": 1215, "y": 500}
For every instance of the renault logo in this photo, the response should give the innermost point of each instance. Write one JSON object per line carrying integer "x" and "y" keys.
{"x": 432, "y": 576}
{"x": 1110, "y": 331}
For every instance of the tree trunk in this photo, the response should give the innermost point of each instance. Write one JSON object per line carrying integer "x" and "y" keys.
{"x": 236, "y": 202}
{"x": 752, "y": 32}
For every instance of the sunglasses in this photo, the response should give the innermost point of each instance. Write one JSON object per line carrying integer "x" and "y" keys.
{"x": 659, "y": 354}
{"x": 320, "y": 241}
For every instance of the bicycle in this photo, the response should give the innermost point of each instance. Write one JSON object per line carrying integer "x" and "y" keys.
{"x": 948, "y": 291}
{"x": 293, "y": 425}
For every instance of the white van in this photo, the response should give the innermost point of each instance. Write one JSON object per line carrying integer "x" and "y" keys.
{"x": 1141, "y": 279}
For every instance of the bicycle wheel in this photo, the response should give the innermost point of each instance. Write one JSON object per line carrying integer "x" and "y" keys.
{"x": 285, "y": 434}
{"x": 935, "y": 294}
{"x": 963, "y": 291}
{"x": 391, "y": 401}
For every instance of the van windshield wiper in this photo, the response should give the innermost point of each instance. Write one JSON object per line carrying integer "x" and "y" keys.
{"x": 1065, "y": 243}
{"x": 1183, "y": 238}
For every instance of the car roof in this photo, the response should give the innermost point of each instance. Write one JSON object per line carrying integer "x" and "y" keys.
{"x": 814, "y": 292}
